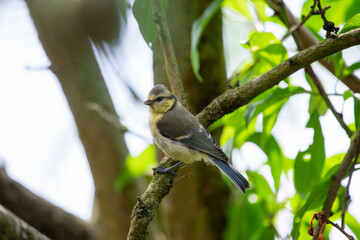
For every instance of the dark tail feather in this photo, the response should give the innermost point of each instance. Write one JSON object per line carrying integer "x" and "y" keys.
{"x": 232, "y": 174}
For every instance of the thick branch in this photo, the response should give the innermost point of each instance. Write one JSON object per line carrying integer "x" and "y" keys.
{"x": 160, "y": 185}
{"x": 13, "y": 227}
{"x": 44, "y": 216}
{"x": 237, "y": 97}
{"x": 308, "y": 40}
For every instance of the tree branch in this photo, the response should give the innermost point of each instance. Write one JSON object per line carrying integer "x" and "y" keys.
{"x": 13, "y": 227}
{"x": 145, "y": 209}
{"x": 41, "y": 214}
{"x": 308, "y": 40}
{"x": 171, "y": 65}
{"x": 237, "y": 97}
{"x": 353, "y": 151}
{"x": 326, "y": 99}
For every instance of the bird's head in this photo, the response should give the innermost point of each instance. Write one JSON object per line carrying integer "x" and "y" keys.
{"x": 160, "y": 99}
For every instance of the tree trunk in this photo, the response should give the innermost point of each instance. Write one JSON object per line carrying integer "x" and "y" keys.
{"x": 73, "y": 62}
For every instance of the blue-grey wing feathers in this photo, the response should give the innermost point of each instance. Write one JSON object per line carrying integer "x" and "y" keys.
{"x": 181, "y": 126}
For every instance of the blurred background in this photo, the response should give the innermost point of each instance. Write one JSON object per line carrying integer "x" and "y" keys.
{"x": 40, "y": 147}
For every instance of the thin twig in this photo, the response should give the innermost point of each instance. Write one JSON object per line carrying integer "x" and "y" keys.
{"x": 296, "y": 27}
{"x": 340, "y": 229}
{"x": 329, "y": 26}
{"x": 325, "y": 97}
{"x": 171, "y": 65}
{"x": 322, "y": 221}
{"x": 347, "y": 198}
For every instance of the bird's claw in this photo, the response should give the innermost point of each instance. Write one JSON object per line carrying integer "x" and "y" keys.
{"x": 161, "y": 169}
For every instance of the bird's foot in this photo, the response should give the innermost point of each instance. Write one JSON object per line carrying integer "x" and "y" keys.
{"x": 161, "y": 169}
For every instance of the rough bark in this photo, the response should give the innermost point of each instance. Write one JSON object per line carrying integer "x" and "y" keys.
{"x": 13, "y": 228}
{"x": 44, "y": 216}
{"x": 200, "y": 199}
{"x": 74, "y": 64}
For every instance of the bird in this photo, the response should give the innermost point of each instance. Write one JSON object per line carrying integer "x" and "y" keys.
{"x": 182, "y": 137}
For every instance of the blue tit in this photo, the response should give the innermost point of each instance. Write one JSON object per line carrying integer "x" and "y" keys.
{"x": 182, "y": 137}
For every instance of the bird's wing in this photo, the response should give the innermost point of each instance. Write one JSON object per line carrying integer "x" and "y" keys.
{"x": 181, "y": 126}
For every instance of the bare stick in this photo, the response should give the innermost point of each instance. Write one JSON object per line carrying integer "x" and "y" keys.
{"x": 296, "y": 27}
{"x": 341, "y": 229}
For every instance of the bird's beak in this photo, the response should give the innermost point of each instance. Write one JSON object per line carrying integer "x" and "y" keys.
{"x": 148, "y": 102}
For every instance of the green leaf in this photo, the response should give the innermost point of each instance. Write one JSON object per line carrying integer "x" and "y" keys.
{"x": 267, "y": 52}
{"x": 332, "y": 164}
{"x": 248, "y": 220}
{"x": 144, "y": 14}
{"x": 309, "y": 164}
{"x": 350, "y": 69}
{"x": 338, "y": 63}
{"x": 268, "y": 98}
{"x": 357, "y": 112}
{"x": 262, "y": 187}
{"x": 347, "y": 94}
{"x": 315, "y": 200}
{"x": 260, "y": 40}
{"x": 240, "y": 6}
{"x": 273, "y": 151}
{"x": 338, "y": 13}
{"x": 351, "y": 24}
{"x": 136, "y": 166}
{"x": 196, "y": 31}
{"x": 353, "y": 224}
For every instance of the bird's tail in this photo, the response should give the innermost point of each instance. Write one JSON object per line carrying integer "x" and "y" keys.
{"x": 232, "y": 174}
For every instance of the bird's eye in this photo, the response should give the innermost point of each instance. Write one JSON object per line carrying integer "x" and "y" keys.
{"x": 158, "y": 99}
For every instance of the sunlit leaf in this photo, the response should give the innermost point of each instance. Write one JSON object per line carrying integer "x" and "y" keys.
{"x": 268, "y": 98}
{"x": 351, "y": 24}
{"x": 337, "y": 13}
{"x": 347, "y": 94}
{"x": 350, "y": 69}
{"x": 353, "y": 224}
{"x": 240, "y": 6}
{"x": 196, "y": 31}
